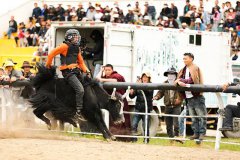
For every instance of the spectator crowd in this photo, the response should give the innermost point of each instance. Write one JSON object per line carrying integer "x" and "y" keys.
{"x": 223, "y": 17}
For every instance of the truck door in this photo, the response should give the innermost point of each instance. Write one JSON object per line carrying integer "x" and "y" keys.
{"x": 118, "y": 49}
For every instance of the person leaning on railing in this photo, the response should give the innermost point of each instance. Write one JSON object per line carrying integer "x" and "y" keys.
{"x": 3, "y": 76}
{"x": 191, "y": 74}
{"x": 11, "y": 72}
{"x": 230, "y": 112}
{"x": 28, "y": 91}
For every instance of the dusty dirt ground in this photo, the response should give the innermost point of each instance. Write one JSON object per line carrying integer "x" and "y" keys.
{"x": 16, "y": 145}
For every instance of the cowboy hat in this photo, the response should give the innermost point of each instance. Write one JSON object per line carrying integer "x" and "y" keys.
{"x": 8, "y": 63}
{"x": 148, "y": 74}
{"x": 171, "y": 70}
{"x": 9, "y": 59}
{"x": 26, "y": 64}
{"x": 98, "y": 9}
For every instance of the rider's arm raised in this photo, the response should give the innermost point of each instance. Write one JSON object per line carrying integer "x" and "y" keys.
{"x": 62, "y": 49}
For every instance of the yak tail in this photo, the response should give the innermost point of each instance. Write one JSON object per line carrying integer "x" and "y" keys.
{"x": 44, "y": 74}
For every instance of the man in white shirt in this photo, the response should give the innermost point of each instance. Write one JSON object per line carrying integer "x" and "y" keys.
{"x": 195, "y": 101}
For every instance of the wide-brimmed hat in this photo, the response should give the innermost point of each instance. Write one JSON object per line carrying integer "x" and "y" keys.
{"x": 148, "y": 74}
{"x": 171, "y": 70}
{"x": 98, "y": 9}
{"x": 8, "y": 63}
{"x": 26, "y": 64}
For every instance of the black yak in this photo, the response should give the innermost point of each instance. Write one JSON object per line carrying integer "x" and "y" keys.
{"x": 55, "y": 95}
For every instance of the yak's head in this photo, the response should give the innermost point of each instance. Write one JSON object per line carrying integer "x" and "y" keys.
{"x": 115, "y": 107}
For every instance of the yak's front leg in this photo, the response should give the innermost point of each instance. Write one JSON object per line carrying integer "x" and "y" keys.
{"x": 102, "y": 127}
{"x": 107, "y": 130}
{"x": 39, "y": 112}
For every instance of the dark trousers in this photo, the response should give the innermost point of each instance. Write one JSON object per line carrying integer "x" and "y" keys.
{"x": 172, "y": 122}
{"x": 74, "y": 82}
{"x": 230, "y": 112}
{"x": 136, "y": 119}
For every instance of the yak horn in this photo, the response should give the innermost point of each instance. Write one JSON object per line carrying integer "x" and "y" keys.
{"x": 126, "y": 93}
{"x": 113, "y": 96}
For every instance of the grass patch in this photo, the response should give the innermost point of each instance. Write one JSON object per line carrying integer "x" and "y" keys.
{"x": 165, "y": 142}
{"x": 207, "y": 145}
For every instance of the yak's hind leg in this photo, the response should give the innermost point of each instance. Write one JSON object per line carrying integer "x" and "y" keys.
{"x": 39, "y": 112}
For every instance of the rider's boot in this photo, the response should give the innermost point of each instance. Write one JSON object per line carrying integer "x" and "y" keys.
{"x": 79, "y": 114}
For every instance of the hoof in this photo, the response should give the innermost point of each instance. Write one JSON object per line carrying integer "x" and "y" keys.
{"x": 198, "y": 142}
{"x": 49, "y": 126}
{"x": 113, "y": 138}
{"x": 108, "y": 140}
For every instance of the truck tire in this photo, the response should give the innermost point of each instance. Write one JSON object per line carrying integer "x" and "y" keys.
{"x": 154, "y": 122}
{"x": 231, "y": 134}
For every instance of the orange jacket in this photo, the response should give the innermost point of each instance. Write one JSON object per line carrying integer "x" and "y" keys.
{"x": 63, "y": 49}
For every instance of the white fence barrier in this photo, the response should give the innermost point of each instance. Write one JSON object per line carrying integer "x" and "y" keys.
{"x": 4, "y": 117}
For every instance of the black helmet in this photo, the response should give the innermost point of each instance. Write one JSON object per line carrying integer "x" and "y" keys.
{"x": 70, "y": 35}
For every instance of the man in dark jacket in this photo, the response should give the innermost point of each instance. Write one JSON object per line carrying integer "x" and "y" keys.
{"x": 174, "y": 10}
{"x": 97, "y": 50}
{"x": 28, "y": 91}
{"x": 60, "y": 10}
{"x": 36, "y": 11}
{"x": 129, "y": 18}
{"x": 165, "y": 11}
{"x": 187, "y": 7}
{"x": 172, "y": 23}
{"x": 12, "y": 27}
{"x": 172, "y": 102}
{"x": 140, "y": 104}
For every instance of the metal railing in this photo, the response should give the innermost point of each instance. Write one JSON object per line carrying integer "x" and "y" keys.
{"x": 153, "y": 86}
{"x": 195, "y": 87}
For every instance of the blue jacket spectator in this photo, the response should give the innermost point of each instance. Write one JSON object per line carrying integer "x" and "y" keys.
{"x": 36, "y": 11}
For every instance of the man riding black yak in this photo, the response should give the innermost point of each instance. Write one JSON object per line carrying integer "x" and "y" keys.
{"x": 72, "y": 64}
{"x": 56, "y": 95}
